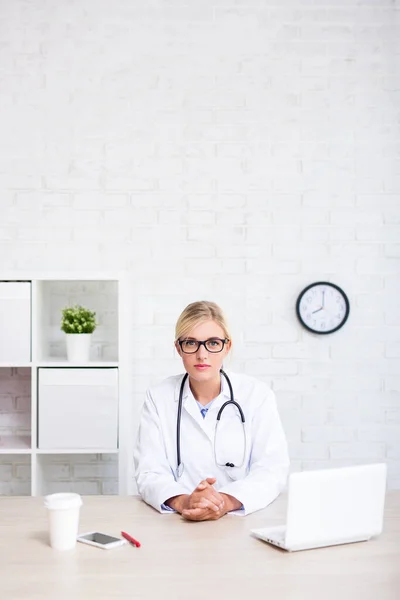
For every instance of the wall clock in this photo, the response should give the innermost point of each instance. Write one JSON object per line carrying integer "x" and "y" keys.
{"x": 322, "y": 307}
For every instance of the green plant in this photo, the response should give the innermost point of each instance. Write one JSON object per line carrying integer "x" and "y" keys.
{"x": 77, "y": 319}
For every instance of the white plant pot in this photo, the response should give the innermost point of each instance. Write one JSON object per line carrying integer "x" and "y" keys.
{"x": 78, "y": 347}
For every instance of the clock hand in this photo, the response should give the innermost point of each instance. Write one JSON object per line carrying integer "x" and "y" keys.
{"x": 315, "y": 311}
{"x": 323, "y": 298}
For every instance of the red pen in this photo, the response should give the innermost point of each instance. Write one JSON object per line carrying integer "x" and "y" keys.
{"x": 130, "y": 539}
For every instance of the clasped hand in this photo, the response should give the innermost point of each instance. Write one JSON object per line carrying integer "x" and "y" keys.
{"x": 204, "y": 503}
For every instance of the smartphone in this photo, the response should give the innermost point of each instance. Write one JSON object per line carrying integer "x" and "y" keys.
{"x": 101, "y": 540}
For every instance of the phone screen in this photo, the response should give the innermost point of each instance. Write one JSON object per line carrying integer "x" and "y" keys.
{"x": 100, "y": 538}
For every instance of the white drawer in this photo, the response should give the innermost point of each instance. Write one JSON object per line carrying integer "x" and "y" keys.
{"x": 15, "y": 321}
{"x": 78, "y": 408}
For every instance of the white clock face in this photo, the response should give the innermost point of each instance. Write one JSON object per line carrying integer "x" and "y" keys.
{"x": 323, "y": 308}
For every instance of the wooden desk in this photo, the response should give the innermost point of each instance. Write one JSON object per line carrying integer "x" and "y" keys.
{"x": 184, "y": 560}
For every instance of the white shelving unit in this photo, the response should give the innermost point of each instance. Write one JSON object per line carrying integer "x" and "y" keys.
{"x": 53, "y": 410}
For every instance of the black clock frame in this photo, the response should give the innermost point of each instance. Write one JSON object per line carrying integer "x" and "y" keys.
{"x": 337, "y": 288}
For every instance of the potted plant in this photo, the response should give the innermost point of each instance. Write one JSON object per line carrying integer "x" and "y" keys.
{"x": 78, "y": 323}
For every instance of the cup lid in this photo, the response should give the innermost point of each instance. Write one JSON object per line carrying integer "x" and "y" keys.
{"x": 62, "y": 501}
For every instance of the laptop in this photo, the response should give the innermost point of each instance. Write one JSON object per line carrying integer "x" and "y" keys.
{"x": 329, "y": 507}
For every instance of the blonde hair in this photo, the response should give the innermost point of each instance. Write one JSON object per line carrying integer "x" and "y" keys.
{"x": 198, "y": 312}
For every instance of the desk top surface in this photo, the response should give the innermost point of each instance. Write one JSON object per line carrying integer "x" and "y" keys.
{"x": 185, "y": 560}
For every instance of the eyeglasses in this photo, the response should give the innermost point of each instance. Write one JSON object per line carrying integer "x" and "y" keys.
{"x": 211, "y": 345}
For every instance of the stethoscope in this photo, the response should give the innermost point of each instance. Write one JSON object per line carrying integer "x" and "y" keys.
{"x": 180, "y": 467}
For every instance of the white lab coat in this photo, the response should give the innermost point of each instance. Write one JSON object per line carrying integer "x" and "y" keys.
{"x": 255, "y": 484}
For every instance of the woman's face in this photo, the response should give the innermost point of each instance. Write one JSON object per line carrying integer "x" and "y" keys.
{"x": 203, "y": 365}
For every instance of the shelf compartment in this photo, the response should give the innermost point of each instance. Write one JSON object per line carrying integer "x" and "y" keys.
{"x": 15, "y": 321}
{"x": 77, "y": 408}
{"x": 85, "y": 474}
{"x": 16, "y": 474}
{"x": 15, "y": 444}
{"x": 15, "y": 409}
{"x": 51, "y": 297}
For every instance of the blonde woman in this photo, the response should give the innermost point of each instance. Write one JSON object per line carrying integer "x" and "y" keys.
{"x": 209, "y": 442}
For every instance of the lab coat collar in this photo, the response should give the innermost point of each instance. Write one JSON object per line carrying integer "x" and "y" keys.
{"x": 186, "y": 389}
{"x": 190, "y": 405}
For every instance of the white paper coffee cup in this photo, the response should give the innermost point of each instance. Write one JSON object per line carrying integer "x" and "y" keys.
{"x": 63, "y": 512}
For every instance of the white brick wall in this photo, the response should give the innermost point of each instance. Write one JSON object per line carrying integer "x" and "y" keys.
{"x": 15, "y": 402}
{"x": 232, "y": 150}
{"x": 15, "y": 475}
{"x": 81, "y": 473}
